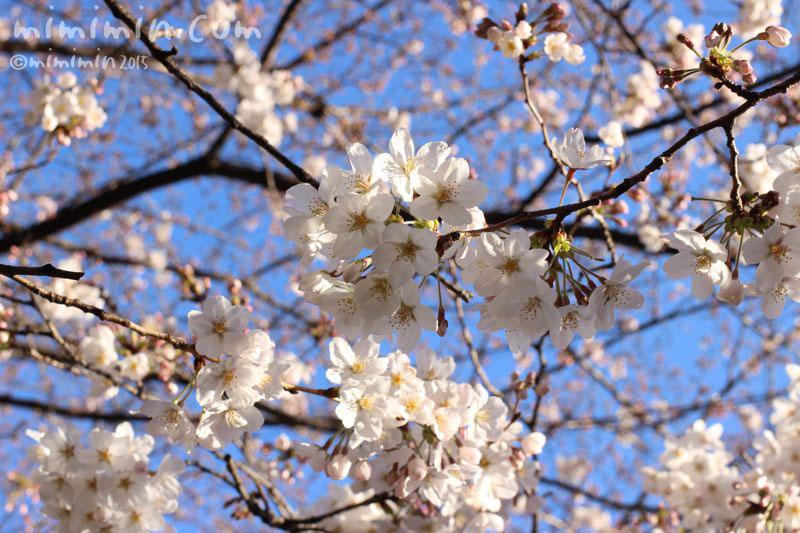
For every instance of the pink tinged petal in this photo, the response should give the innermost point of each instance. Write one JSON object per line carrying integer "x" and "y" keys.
{"x": 768, "y": 274}
{"x": 628, "y": 298}
{"x": 380, "y": 207}
{"x": 347, "y": 414}
{"x": 210, "y": 345}
{"x": 238, "y": 317}
{"x": 235, "y": 343}
{"x": 367, "y": 348}
{"x": 686, "y": 240}
{"x": 401, "y": 145}
{"x": 372, "y": 234}
{"x": 471, "y": 193}
{"x": 782, "y": 158}
{"x": 360, "y": 158}
{"x": 424, "y": 208}
{"x": 702, "y": 287}
{"x": 341, "y": 353}
{"x": 396, "y": 233}
{"x": 337, "y": 220}
{"x": 454, "y": 213}
{"x": 517, "y": 242}
{"x": 199, "y": 323}
{"x": 384, "y": 255}
{"x": 772, "y": 303}
{"x": 433, "y": 154}
{"x": 348, "y": 245}
{"x": 754, "y": 250}
{"x": 253, "y": 416}
{"x": 400, "y": 272}
{"x": 300, "y": 198}
{"x": 680, "y": 265}
{"x": 216, "y": 307}
{"x": 426, "y": 261}
{"x": 425, "y": 317}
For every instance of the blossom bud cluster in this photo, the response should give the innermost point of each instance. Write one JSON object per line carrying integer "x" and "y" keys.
{"x": 66, "y": 108}
{"x": 701, "y": 482}
{"x": 105, "y": 485}
{"x": 515, "y": 40}
{"x": 771, "y": 241}
{"x": 260, "y": 93}
{"x": 428, "y": 440}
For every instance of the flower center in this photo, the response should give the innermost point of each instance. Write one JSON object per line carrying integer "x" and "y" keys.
{"x": 228, "y": 378}
{"x": 509, "y": 266}
{"x": 779, "y": 252}
{"x": 358, "y": 221}
{"x": 381, "y": 289}
{"x": 412, "y": 405}
{"x": 407, "y": 251}
{"x": 366, "y": 403}
{"x": 444, "y": 194}
{"x": 570, "y": 320}
{"x": 220, "y": 327}
{"x": 404, "y": 314}
{"x": 531, "y": 309}
{"x": 702, "y": 263}
{"x": 410, "y": 165}
{"x": 358, "y": 367}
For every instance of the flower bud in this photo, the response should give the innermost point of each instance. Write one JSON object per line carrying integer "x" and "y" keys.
{"x": 470, "y": 455}
{"x": 777, "y": 36}
{"x": 732, "y": 292}
{"x": 338, "y": 467}
{"x": 283, "y": 443}
{"x": 534, "y": 443}
{"x": 713, "y": 39}
{"x": 494, "y": 34}
{"x": 362, "y": 471}
{"x": 523, "y": 29}
{"x": 417, "y": 469}
{"x": 352, "y": 270}
{"x": 742, "y": 66}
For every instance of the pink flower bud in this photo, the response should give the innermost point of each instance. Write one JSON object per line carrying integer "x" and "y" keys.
{"x": 417, "y": 469}
{"x": 351, "y": 271}
{"x": 743, "y": 67}
{"x": 283, "y": 442}
{"x": 338, "y": 467}
{"x": 470, "y": 455}
{"x": 732, "y": 292}
{"x": 777, "y": 36}
{"x": 713, "y": 39}
{"x": 494, "y": 34}
{"x": 534, "y": 443}
{"x": 362, "y": 471}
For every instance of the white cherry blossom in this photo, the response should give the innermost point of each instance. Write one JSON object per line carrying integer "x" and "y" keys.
{"x": 702, "y": 260}
{"x": 615, "y": 293}
{"x": 400, "y": 167}
{"x": 358, "y": 222}
{"x": 219, "y": 327}
{"x": 405, "y": 251}
{"x": 447, "y": 192}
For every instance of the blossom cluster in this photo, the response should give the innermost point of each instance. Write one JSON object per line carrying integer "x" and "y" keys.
{"x": 515, "y": 41}
{"x": 766, "y": 235}
{"x": 105, "y": 485}
{"x": 66, "y": 108}
{"x": 721, "y": 61}
{"x": 702, "y": 484}
{"x": 260, "y": 92}
{"x": 514, "y": 271}
{"x": 412, "y": 431}
{"x": 240, "y": 371}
